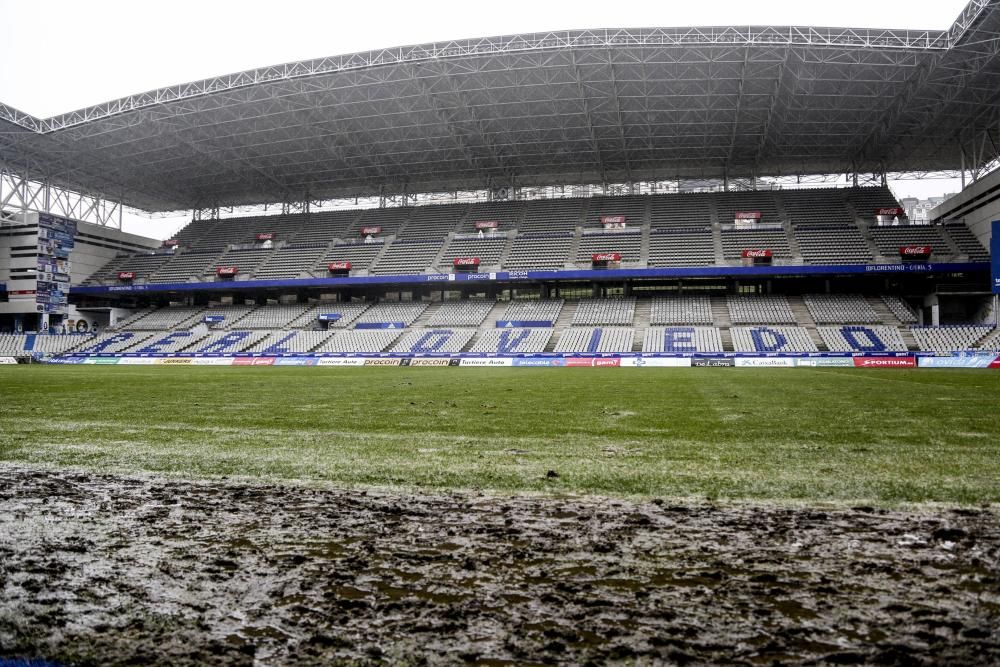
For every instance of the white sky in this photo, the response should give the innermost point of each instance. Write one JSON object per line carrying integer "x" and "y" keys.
{"x": 62, "y": 55}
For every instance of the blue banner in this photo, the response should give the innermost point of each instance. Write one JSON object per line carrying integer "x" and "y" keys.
{"x": 380, "y": 325}
{"x": 215, "y": 318}
{"x": 995, "y": 252}
{"x": 517, "y": 324}
{"x": 329, "y": 317}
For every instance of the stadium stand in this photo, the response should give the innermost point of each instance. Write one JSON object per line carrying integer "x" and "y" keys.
{"x": 434, "y": 340}
{"x": 366, "y": 340}
{"x": 291, "y": 261}
{"x": 605, "y": 311}
{"x": 545, "y": 310}
{"x": 596, "y": 340}
{"x": 348, "y": 312}
{"x": 111, "y": 342}
{"x": 468, "y": 313}
{"x": 855, "y": 338}
{"x": 840, "y": 309}
{"x": 390, "y": 312}
{"x": 433, "y": 221}
{"x": 685, "y": 210}
{"x": 488, "y": 249}
{"x": 967, "y": 242}
{"x": 682, "y": 339}
{"x": 949, "y": 337}
{"x": 540, "y": 251}
{"x": 244, "y": 261}
{"x": 626, "y": 242}
{"x": 143, "y": 266}
{"x": 506, "y": 214}
{"x": 991, "y": 342}
{"x": 633, "y": 208}
{"x": 284, "y": 342}
{"x": 902, "y": 310}
{"x": 12, "y": 345}
{"x": 681, "y": 246}
{"x": 322, "y": 227}
{"x": 166, "y": 318}
{"x": 359, "y": 254}
{"x": 389, "y": 219}
{"x": 186, "y": 266}
{"x": 170, "y": 342}
{"x": 513, "y": 341}
{"x": 758, "y": 309}
{"x": 272, "y": 317}
{"x": 682, "y": 309}
{"x": 772, "y": 339}
{"x": 406, "y": 256}
{"x": 228, "y": 342}
{"x": 555, "y": 215}
{"x": 889, "y": 240}
{"x": 735, "y": 241}
{"x": 832, "y": 244}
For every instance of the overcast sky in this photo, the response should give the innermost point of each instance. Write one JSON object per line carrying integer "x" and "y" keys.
{"x": 62, "y": 55}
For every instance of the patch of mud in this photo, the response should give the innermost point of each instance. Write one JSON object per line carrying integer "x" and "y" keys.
{"x": 114, "y": 570}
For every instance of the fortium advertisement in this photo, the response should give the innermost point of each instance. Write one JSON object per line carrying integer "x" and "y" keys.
{"x": 995, "y": 255}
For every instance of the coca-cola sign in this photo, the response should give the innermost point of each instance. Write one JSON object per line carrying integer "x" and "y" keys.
{"x": 371, "y": 229}
{"x": 265, "y": 236}
{"x": 915, "y": 251}
{"x": 466, "y": 261}
{"x": 226, "y": 271}
{"x": 171, "y": 243}
{"x": 757, "y": 252}
{"x": 612, "y": 219}
{"x": 892, "y": 212}
{"x": 126, "y": 275}
{"x": 747, "y": 215}
{"x": 339, "y": 266}
{"x": 487, "y": 224}
{"x": 606, "y": 257}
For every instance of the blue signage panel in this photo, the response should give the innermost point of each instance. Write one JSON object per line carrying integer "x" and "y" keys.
{"x": 995, "y": 252}
{"x": 329, "y": 317}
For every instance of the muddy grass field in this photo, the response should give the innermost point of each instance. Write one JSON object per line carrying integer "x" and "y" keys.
{"x": 104, "y": 570}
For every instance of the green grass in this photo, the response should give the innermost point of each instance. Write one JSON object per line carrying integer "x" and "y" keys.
{"x": 841, "y": 435}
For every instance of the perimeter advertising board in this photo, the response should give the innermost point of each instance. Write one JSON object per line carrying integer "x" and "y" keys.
{"x": 995, "y": 254}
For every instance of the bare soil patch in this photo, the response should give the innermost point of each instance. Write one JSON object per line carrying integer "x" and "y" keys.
{"x": 101, "y": 569}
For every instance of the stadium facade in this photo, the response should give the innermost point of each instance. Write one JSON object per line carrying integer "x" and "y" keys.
{"x": 694, "y": 239}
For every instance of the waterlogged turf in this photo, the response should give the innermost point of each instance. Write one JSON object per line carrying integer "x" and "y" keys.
{"x": 841, "y": 435}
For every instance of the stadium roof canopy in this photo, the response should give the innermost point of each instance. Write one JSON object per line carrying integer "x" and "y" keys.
{"x": 593, "y": 106}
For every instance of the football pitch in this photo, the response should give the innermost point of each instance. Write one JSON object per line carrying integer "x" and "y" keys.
{"x": 800, "y": 435}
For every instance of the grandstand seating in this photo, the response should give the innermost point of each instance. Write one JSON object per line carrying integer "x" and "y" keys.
{"x": 513, "y": 341}
{"x": 434, "y": 340}
{"x": 360, "y": 255}
{"x": 407, "y": 257}
{"x": 488, "y": 249}
{"x": 832, "y": 244}
{"x": 348, "y": 313}
{"x": 111, "y": 342}
{"x": 542, "y": 234}
{"x": 902, "y": 310}
{"x": 272, "y": 317}
{"x": 682, "y": 339}
{"x": 735, "y": 241}
{"x": 12, "y": 345}
{"x": 539, "y": 251}
{"x": 228, "y": 342}
{"x": 545, "y": 310}
{"x": 681, "y": 246}
{"x": 284, "y": 342}
{"x": 467, "y": 313}
{"x": 626, "y": 242}
{"x": 392, "y": 312}
{"x": 967, "y": 242}
{"x": 759, "y": 309}
{"x": 169, "y": 342}
{"x": 363, "y": 340}
{"x": 991, "y": 342}
{"x": 165, "y": 318}
{"x": 840, "y": 309}
{"x": 772, "y": 339}
{"x": 184, "y": 267}
{"x": 288, "y": 262}
{"x": 605, "y": 311}
{"x": 596, "y": 340}
{"x": 888, "y": 240}
{"x": 857, "y": 338}
{"x": 682, "y": 309}
{"x": 433, "y": 221}
{"x": 950, "y": 337}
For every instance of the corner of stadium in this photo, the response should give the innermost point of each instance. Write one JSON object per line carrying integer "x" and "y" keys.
{"x": 691, "y": 209}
